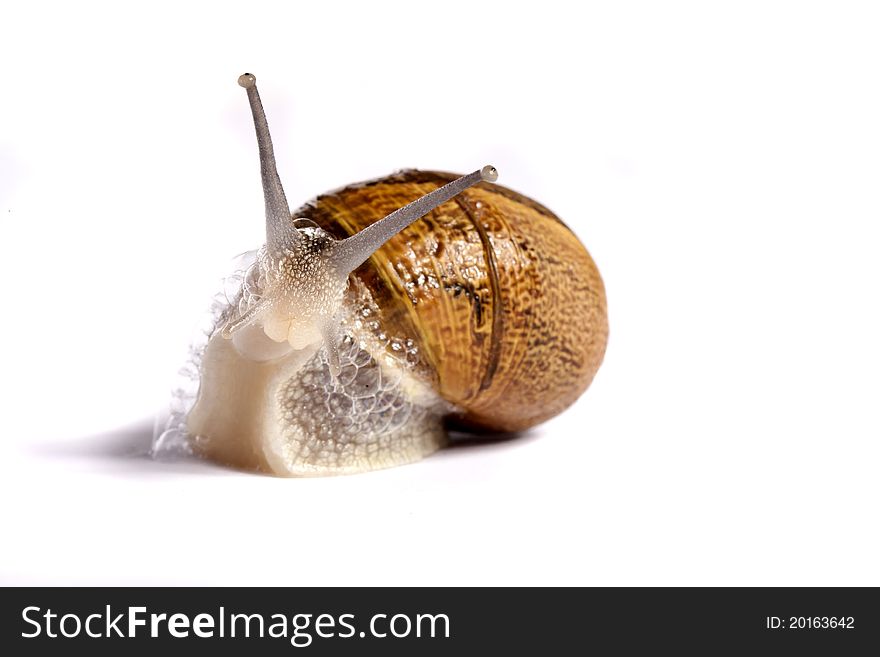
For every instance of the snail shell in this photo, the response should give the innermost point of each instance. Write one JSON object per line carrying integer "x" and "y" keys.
{"x": 357, "y": 332}
{"x": 505, "y": 303}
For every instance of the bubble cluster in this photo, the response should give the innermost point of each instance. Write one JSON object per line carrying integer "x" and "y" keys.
{"x": 373, "y": 411}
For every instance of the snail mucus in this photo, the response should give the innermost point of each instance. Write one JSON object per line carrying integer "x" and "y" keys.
{"x": 380, "y": 314}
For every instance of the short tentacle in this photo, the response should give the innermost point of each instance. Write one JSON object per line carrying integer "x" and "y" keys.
{"x": 246, "y": 318}
{"x": 332, "y": 337}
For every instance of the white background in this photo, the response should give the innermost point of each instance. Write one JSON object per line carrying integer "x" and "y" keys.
{"x": 721, "y": 164}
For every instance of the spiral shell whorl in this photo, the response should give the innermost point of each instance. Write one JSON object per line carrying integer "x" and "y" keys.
{"x": 506, "y": 304}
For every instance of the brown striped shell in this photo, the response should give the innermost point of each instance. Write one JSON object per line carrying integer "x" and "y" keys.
{"x": 505, "y": 303}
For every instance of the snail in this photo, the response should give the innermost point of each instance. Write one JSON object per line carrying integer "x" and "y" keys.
{"x": 380, "y": 314}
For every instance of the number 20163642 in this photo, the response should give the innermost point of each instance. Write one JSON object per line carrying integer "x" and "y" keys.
{"x": 810, "y": 623}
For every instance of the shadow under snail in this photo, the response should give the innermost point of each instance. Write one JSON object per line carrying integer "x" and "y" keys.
{"x": 357, "y": 333}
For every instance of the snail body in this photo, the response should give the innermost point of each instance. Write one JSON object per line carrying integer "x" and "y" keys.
{"x": 380, "y": 312}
